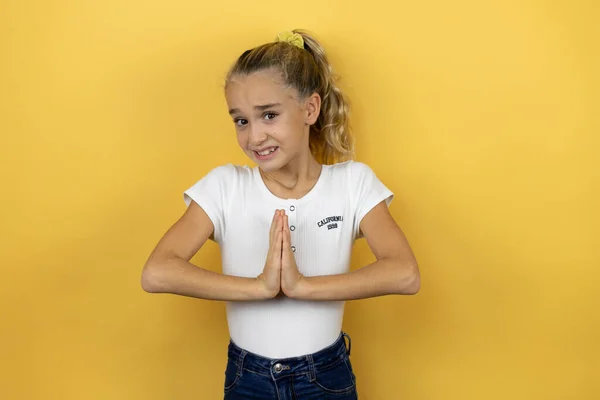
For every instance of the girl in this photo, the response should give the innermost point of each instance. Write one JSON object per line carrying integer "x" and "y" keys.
{"x": 285, "y": 229}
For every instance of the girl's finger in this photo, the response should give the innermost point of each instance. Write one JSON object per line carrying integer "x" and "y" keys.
{"x": 273, "y": 227}
{"x": 278, "y": 244}
{"x": 286, "y": 235}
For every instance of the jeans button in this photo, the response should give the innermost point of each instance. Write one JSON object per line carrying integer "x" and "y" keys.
{"x": 278, "y": 367}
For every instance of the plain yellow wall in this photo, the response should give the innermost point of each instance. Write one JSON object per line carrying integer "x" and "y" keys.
{"x": 482, "y": 117}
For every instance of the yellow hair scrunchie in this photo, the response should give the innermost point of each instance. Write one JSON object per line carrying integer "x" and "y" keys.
{"x": 291, "y": 38}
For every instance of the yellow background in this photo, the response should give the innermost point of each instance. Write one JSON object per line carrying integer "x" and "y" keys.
{"x": 482, "y": 117}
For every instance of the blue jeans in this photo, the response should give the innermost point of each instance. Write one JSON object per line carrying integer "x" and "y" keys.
{"x": 326, "y": 374}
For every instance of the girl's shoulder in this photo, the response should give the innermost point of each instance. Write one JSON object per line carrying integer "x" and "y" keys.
{"x": 230, "y": 172}
{"x": 224, "y": 178}
{"x": 351, "y": 170}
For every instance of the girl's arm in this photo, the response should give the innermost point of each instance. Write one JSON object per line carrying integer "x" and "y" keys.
{"x": 168, "y": 269}
{"x": 395, "y": 271}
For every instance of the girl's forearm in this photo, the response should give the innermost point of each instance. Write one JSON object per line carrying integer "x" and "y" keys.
{"x": 178, "y": 276}
{"x": 383, "y": 277}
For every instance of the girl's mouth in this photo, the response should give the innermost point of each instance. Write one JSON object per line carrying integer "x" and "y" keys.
{"x": 267, "y": 153}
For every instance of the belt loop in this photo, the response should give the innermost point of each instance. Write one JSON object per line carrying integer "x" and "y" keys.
{"x": 349, "y": 346}
{"x": 241, "y": 363}
{"x": 311, "y": 368}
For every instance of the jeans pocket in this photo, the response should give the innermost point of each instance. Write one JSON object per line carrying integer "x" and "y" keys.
{"x": 336, "y": 378}
{"x": 232, "y": 376}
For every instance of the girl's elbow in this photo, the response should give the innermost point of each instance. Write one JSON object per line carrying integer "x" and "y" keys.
{"x": 150, "y": 280}
{"x": 415, "y": 285}
{"x": 411, "y": 284}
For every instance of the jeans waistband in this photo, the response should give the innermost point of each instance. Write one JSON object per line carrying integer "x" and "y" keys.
{"x": 304, "y": 364}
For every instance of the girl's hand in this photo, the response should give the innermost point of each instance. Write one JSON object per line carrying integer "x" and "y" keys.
{"x": 291, "y": 278}
{"x": 270, "y": 278}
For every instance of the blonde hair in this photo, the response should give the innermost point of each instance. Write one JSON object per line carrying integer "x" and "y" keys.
{"x": 308, "y": 71}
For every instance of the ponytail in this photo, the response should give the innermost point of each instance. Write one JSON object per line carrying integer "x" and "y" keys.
{"x": 331, "y": 139}
{"x": 308, "y": 70}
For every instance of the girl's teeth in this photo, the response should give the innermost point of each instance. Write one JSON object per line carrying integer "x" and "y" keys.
{"x": 267, "y": 152}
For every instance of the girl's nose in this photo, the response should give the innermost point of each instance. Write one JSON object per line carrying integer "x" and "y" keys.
{"x": 257, "y": 135}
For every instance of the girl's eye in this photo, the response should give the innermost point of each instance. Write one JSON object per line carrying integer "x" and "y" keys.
{"x": 240, "y": 122}
{"x": 270, "y": 115}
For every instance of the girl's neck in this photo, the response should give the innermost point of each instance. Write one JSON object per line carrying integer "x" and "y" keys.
{"x": 295, "y": 179}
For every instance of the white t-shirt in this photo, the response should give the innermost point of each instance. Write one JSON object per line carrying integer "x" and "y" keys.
{"x": 324, "y": 225}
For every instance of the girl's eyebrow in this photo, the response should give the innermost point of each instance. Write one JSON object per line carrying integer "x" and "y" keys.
{"x": 260, "y": 107}
{"x": 265, "y": 106}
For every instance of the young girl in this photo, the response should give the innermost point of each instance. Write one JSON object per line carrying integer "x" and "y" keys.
{"x": 286, "y": 228}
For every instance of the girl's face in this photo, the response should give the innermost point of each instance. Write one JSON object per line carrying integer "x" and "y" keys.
{"x": 272, "y": 124}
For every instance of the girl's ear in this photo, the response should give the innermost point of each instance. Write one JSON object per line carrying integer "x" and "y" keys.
{"x": 312, "y": 108}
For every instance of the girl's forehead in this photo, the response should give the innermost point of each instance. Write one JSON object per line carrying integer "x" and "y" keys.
{"x": 265, "y": 80}
{"x": 257, "y": 86}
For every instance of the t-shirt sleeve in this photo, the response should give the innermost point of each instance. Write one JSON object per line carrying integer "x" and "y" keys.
{"x": 368, "y": 191}
{"x": 212, "y": 194}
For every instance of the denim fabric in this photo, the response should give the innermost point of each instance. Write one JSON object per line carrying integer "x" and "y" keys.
{"x": 326, "y": 374}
